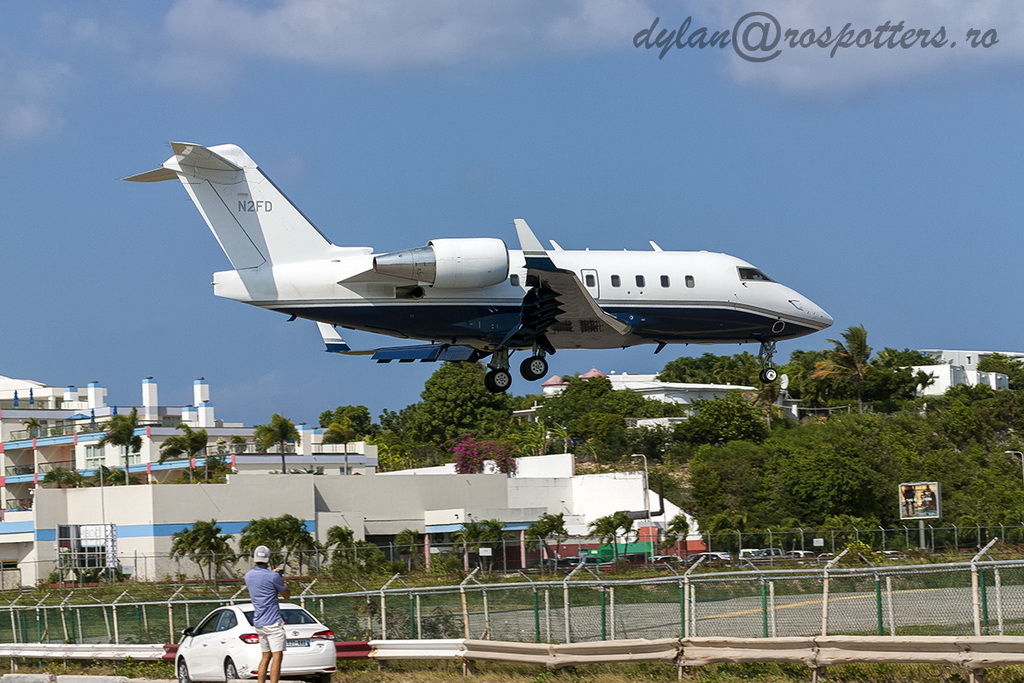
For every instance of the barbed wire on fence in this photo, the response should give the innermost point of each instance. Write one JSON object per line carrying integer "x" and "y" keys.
{"x": 980, "y": 598}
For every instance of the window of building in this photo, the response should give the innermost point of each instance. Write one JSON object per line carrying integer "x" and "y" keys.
{"x": 93, "y": 457}
{"x": 664, "y": 281}
{"x": 616, "y": 281}
{"x": 640, "y": 281}
{"x": 689, "y": 281}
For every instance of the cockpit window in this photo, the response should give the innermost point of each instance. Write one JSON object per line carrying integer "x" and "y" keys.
{"x": 754, "y": 274}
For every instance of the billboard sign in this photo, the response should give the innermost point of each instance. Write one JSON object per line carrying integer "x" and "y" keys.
{"x": 920, "y": 500}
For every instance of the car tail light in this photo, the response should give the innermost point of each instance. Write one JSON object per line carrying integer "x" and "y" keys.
{"x": 323, "y": 635}
{"x": 250, "y": 638}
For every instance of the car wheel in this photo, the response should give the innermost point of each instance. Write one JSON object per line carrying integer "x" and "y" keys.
{"x": 182, "y": 670}
{"x": 230, "y": 671}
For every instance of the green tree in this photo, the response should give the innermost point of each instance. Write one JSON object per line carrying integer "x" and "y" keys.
{"x": 678, "y": 528}
{"x": 34, "y": 427}
{"x": 848, "y": 361}
{"x": 279, "y": 431}
{"x": 188, "y": 444}
{"x": 407, "y": 542}
{"x": 287, "y": 533}
{"x": 340, "y": 433}
{"x": 547, "y": 528}
{"x": 610, "y": 528}
{"x": 1011, "y": 367}
{"x": 728, "y": 418}
{"x": 566, "y": 409}
{"x": 739, "y": 369}
{"x": 121, "y": 432}
{"x": 64, "y": 479}
{"x": 356, "y": 418}
{"x": 204, "y": 544}
{"x": 454, "y": 401}
{"x": 470, "y": 536}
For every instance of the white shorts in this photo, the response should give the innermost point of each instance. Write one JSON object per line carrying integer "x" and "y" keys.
{"x": 271, "y": 637}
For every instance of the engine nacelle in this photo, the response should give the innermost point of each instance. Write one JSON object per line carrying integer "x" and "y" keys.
{"x": 449, "y": 263}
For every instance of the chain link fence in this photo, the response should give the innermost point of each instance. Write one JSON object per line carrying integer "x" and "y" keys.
{"x": 979, "y": 598}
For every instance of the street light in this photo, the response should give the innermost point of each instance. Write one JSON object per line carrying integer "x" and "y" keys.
{"x": 1021, "y": 456}
{"x": 647, "y": 500}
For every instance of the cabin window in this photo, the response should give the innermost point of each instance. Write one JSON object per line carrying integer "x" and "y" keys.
{"x": 514, "y": 279}
{"x": 640, "y": 282}
{"x": 616, "y": 281}
{"x": 591, "y": 280}
{"x": 753, "y": 274}
{"x": 664, "y": 281}
{"x": 689, "y": 281}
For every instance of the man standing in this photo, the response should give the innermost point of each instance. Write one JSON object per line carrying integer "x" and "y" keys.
{"x": 264, "y": 587}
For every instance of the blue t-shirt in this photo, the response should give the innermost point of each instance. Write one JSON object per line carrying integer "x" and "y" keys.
{"x": 264, "y": 585}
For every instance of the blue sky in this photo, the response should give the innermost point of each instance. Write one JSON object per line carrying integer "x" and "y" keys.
{"x": 884, "y": 184}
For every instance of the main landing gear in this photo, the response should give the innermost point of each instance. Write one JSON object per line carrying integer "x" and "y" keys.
{"x": 499, "y": 379}
{"x": 768, "y": 374}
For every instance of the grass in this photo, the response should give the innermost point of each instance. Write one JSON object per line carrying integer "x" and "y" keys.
{"x": 489, "y": 672}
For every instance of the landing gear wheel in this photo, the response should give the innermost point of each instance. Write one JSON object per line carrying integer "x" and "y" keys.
{"x": 769, "y": 375}
{"x": 498, "y": 381}
{"x": 533, "y": 368}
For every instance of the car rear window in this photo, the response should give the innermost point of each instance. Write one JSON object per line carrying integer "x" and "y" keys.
{"x": 290, "y": 616}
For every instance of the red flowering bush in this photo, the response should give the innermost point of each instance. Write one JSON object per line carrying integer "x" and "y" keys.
{"x": 471, "y": 455}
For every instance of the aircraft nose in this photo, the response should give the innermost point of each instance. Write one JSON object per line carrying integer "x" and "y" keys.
{"x": 814, "y": 314}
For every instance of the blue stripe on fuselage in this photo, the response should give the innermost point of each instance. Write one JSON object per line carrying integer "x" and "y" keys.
{"x": 488, "y": 324}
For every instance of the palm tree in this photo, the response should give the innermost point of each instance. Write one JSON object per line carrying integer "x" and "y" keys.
{"x": 406, "y": 540}
{"x": 280, "y": 431}
{"x": 287, "y": 532}
{"x": 548, "y": 526}
{"x": 189, "y": 444}
{"x": 848, "y": 360}
{"x": 121, "y": 432}
{"x": 470, "y": 536}
{"x": 204, "y": 544}
{"x": 678, "y": 528}
{"x": 64, "y": 479}
{"x": 339, "y": 433}
{"x": 607, "y": 529}
{"x": 34, "y": 427}
{"x": 492, "y": 534}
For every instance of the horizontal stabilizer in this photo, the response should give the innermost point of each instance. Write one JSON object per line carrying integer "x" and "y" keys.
{"x": 154, "y": 176}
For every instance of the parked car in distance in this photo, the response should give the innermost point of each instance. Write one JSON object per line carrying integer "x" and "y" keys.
{"x": 225, "y": 646}
{"x": 799, "y": 555}
{"x": 709, "y": 558}
{"x": 768, "y": 553}
{"x": 667, "y": 559}
{"x": 891, "y": 554}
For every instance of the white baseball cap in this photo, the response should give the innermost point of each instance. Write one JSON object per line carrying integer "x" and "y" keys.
{"x": 261, "y": 554}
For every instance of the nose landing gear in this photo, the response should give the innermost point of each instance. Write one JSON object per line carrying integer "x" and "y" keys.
{"x": 768, "y": 373}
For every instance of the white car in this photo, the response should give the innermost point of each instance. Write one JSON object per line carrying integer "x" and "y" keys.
{"x": 224, "y": 646}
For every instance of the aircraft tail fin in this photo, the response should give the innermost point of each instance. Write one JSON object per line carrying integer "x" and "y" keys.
{"x": 253, "y": 221}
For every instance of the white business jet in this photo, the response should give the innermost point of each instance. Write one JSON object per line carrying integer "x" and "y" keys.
{"x": 474, "y": 298}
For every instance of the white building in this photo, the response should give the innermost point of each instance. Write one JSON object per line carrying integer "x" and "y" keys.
{"x": 43, "y": 428}
{"x": 960, "y": 367}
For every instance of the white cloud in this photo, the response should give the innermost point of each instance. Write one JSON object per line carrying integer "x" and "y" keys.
{"x": 31, "y": 98}
{"x": 396, "y": 34}
{"x": 813, "y": 70}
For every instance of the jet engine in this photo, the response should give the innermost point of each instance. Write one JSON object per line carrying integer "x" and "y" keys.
{"x": 449, "y": 263}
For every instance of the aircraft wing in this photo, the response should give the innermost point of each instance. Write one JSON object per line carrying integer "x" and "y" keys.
{"x": 559, "y": 301}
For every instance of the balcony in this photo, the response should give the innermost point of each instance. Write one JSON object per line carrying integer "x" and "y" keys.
{"x": 14, "y": 470}
{"x": 57, "y": 464}
{"x": 62, "y": 430}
